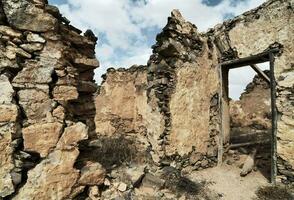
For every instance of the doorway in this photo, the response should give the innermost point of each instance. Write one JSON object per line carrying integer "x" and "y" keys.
{"x": 229, "y": 139}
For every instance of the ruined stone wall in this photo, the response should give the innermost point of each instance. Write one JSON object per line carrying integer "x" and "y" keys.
{"x": 250, "y": 116}
{"x": 121, "y": 114}
{"x": 45, "y": 67}
{"x": 167, "y": 114}
{"x": 253, "y": 32}
{"x": 183, "y": 83}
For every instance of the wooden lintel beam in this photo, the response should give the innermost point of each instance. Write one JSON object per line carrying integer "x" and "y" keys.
{"x": 253, "y": 59}
{"x": 260, "y": 73}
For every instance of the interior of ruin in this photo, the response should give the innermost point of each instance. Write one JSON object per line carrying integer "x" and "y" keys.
{"x": 251, "y": 121}
{"x": 165, "y": 130}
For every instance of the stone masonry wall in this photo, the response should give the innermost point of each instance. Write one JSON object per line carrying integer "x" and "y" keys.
{"x": 253, "y": 32}
{"x": 58, "y": 141}
{"x": 45, "y": 66}
{"x": 121, "y": 114}
{"x": 183, "y": 83}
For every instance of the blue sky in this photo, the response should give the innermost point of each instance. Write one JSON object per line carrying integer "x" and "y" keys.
{"x": 127, "y": 28}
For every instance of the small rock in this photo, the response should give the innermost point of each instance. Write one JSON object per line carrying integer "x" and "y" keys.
{"x": 248, "y": 164}
{"x": 229, "y": 162}
{"x": 93, "y": 192}
{"x": 195, "y": 157}
{"x": 16, "y": 178}
{"x": 31, "y": 37}
{"x": 204, "y": 163}
{"x": 122, "y": 187}
{"x": 92, "y": 174}
{"x": 136, "y": 174}
{"x": 150, "y": 180}
{"x": 231, "y": 152}
{"x": 5, "y": 30}
{"x": 32, "y": 47}
{"x": 107, "y": 182}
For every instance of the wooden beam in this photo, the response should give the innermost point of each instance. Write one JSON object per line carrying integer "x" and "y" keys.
{"x": 260, "y": 73}
{"x": 234, "y": 146}
{"x": 274, "y": 120}
{"x": 254, "y": 59}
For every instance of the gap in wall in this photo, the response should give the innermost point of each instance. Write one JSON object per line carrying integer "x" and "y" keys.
{"x": 250, "y": 116}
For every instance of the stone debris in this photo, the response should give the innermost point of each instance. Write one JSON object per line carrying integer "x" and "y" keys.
{"x": 92, "y": 174}
{"x": 144, "y": 129}
{"x": 122, "y": 187}
{"x": 248, "y": 164}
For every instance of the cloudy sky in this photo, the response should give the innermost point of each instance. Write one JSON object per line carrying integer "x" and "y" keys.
{"x": 127, "y": 28}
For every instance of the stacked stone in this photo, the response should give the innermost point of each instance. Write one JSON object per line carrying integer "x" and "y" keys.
{"x": 177, "y": 45}
{"x": 252, "y": 33}
{"x": 162, "y": 77}
{"x": 9, "y": 114}
{"x": 45, "y": 67}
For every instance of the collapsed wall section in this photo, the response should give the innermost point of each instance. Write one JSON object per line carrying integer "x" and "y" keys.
{"x": 270, "y": 25}
{"x": 122, "y": 118}
{"x": 250, "y": 116}
{"x": 42, "y": 61}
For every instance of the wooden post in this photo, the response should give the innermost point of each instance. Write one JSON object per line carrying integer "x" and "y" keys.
{"x": 274, "y": 120}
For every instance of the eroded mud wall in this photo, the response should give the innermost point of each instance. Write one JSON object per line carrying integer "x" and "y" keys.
{"x": 42, "y": 60}
{"x": 270, "y": 25}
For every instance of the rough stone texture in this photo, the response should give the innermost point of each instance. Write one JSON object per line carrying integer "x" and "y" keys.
{"x": 41, "y": 138}
{"x": 182, "y": 79}
{"x": 121, "y": 88}
{"x": 92, "y": 174}
{"x": 250, "y": 117}
{"x": 27, "y": 16}
{"x": 253, "y": 32}
{"x": 122, "y": 110}
{"x": 39, "y": 79}
{"x": 190, "y": 93}
{"x": 254, "y": 106}
{"x": 56, "y": 174}
{"x": 8, "y": 133}
{"x": 148, "y": 121}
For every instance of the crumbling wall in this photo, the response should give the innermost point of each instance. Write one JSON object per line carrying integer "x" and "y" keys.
{"x": 269, "y": 25}
{"x": 167, "y": 114}
{"x": 122, "y": 113}
{"x": 128, "y": 125}
{"x": 250, "y": 116}
{"x": 42, "y": 61}
{"x": 183, "y": 83}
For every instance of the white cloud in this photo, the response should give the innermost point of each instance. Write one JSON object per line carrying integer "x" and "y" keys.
{"x": 120, "y": 24}
{"x": 239, "y": 78}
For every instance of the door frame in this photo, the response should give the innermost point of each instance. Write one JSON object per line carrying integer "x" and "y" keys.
{"x": 267, "y": 56}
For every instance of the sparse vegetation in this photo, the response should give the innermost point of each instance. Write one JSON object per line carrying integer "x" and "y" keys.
{"x": 110, "y": 152}
{"x": 275, "y": 193}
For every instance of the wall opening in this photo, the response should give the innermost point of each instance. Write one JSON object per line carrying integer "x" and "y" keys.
{"x": 249, "y": 113}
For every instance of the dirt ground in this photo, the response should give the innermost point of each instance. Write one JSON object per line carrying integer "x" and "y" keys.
{"x": 226, "y": 181}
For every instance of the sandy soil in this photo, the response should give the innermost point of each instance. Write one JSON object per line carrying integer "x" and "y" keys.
{"x": 225, "y": 180}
